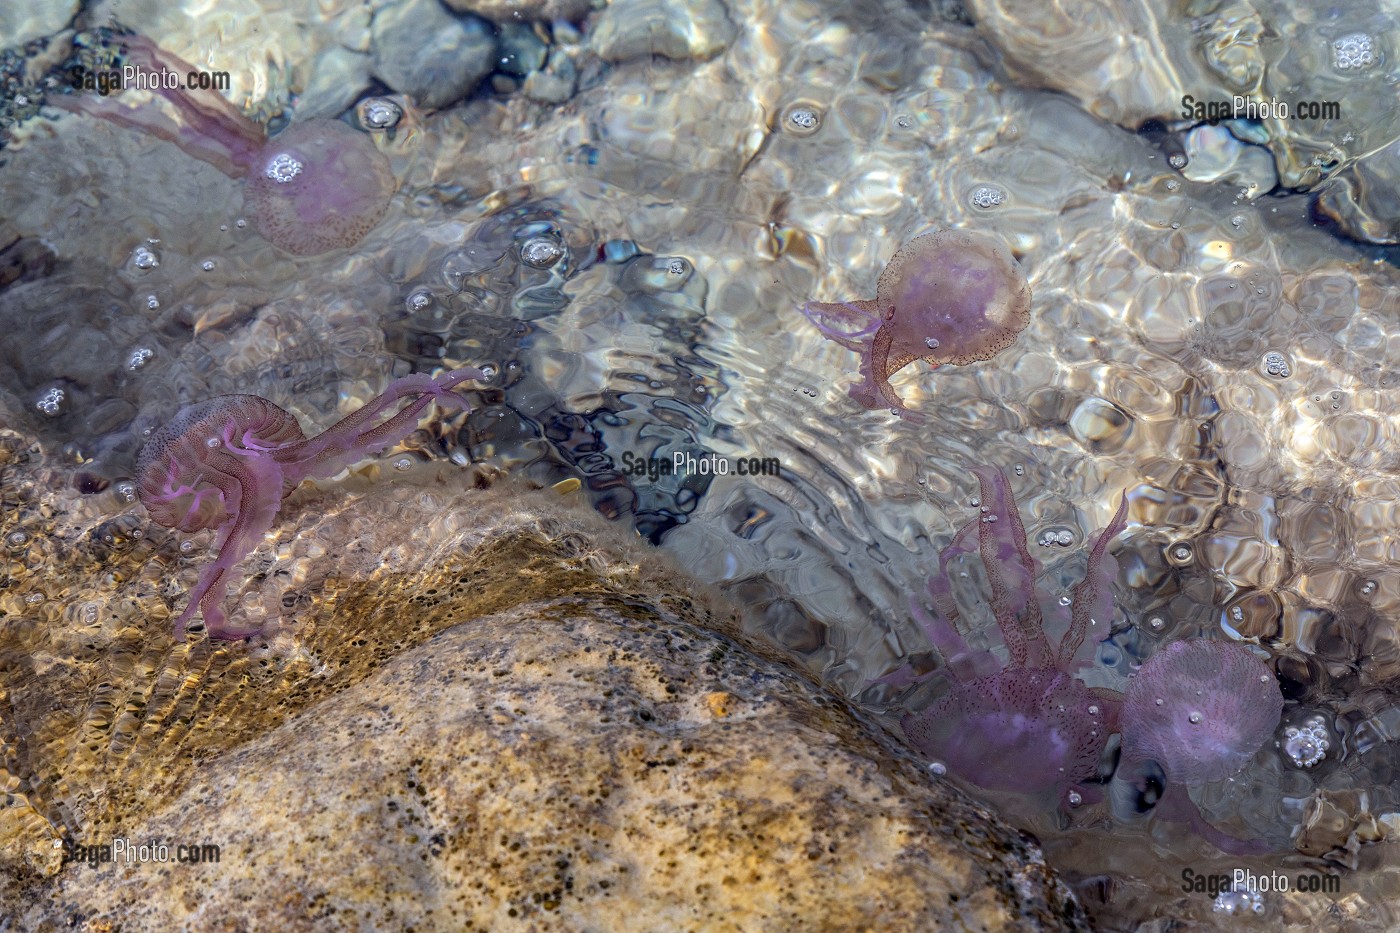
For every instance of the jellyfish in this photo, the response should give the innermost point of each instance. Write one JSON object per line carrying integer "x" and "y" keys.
{"x": 1030, "y": 725}
{"x": 317, "y": 186}
{"x": 228, "y": 462}
{"x": 1200, "y": 710}
{"x": 945, "y": 297}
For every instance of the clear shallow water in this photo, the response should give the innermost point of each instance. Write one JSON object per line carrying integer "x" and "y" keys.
{"x": 697, "y": 205}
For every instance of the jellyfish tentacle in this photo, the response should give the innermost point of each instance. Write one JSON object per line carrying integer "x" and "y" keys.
{"x": 1091, "y": 599}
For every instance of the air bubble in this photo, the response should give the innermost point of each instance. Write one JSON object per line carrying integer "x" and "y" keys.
{"x": 1074, "y": 798}
{"x": 418, "y": 299}
{"x": 1237, "y": 221}
{"x": 403, "y": 463}
{"x": 138, "y": 358}
{"x": 1156, "y": 623}
{"x": 186, "y": 547}
{"x": 1368, "y": 587}
{"x": 211, "y": 443}
{"x": 1195, "y": 719}
{"x": 126, "y": 492}
{"x": 974, "y": 502}
{"x": 152, "y": 302}
{"x": 207, "y": 265}
{"x": 1177, "y": 160}
{"x": 938, "y": 768}
{"x": 1093, "y": 711}
{"x": 379, "y": 113}
{"x": 541, "y": 252}
{"x": 1065, "y": 600}
{"x": 931, "y": 343}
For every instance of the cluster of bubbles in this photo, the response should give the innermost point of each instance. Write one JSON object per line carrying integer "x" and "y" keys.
{"x": 1307, "y": 744}
{"x": 987, "y": 197}
{"x": 139, "y": 357}
{"x": 1334, "y": 397}
{"x": 52, "y": 402}
{"x": 1355, "y": 51}
{"x": 802, "y": 119}
{"x": 283, "y": 167}
{"x": 1238, "y": 900}
{"x": 1276, "y": 365}
{"x": 1053, "y": 538}
{"x": 144, "y": 258}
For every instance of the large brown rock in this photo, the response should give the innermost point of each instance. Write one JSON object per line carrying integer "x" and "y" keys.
{"x": 496, "y": 713}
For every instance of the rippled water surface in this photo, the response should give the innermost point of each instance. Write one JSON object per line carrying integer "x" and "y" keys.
{"x": 624, "y": 241}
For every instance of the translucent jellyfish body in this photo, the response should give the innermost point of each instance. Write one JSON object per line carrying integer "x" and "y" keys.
{"x": 1200, "y": 709}
{"x": 945, "y": 297}
{"x": 316, "y": 187}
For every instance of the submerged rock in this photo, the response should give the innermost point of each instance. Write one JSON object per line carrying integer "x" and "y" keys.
{"x": 674, "y": 29}
{"x": 514, "y": 11}
{"x": 422, "y": 50}
{"x": 526, "y": 721}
